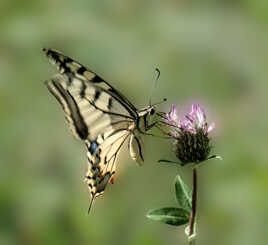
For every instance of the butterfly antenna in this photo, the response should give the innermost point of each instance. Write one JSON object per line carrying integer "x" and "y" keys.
{"x": 155, "y": 84}
{"x": 160, "y": 102}
{"x": 90, "y": 204}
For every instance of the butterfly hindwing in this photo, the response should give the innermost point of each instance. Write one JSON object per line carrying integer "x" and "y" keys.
{"x": 102, "y": 155}
{"x": 135, "y": 145}
{"x": 73, "y": 113}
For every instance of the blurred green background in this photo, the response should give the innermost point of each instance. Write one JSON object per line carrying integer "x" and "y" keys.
{"x": 211, "y": 52}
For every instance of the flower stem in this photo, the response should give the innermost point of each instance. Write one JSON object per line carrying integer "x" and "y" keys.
{"x": 194, "y": 201}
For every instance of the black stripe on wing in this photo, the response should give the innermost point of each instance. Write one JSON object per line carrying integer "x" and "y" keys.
{"x": 70, "y": 108}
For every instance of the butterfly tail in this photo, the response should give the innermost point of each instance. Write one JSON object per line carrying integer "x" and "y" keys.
{"x": 91, "y": 203}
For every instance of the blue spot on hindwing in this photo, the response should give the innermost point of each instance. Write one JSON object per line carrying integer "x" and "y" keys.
{"x": 94, "y": 145}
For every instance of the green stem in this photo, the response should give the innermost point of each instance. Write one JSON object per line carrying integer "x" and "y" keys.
{"x": 194, "y": 201}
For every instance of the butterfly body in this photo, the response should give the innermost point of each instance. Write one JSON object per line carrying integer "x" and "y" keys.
{"x": 100, "y": 116}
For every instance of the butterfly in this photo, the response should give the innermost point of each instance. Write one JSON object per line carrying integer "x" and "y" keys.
{"x": 100, "y": 116}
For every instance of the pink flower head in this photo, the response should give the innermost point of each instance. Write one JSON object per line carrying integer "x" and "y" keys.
{"x": 172, "y": 115}
{"x": 196, "y": 120}
{"x": 190, "y": 134}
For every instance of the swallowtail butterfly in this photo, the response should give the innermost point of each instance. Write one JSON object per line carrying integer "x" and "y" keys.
{"x": 100, "y": 116}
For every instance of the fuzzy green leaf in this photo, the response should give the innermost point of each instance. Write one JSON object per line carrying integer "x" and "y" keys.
{"x": 183, "y": 194}
{"x": 171, "y": 216}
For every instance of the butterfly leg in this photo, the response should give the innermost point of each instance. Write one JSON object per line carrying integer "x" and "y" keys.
{"x": 149, "y": 126}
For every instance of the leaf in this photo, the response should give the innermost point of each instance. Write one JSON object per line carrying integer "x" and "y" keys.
{"x": 171, "y": 216}
{"x": 183, "y": 194}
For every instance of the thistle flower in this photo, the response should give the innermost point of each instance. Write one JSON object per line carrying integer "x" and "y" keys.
{"x": 191, "y": 139}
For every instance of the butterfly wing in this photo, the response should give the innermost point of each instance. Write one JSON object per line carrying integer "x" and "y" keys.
{"x": 89, "y": 110}
{"x": 71, "y": 68}
{"x": 135, "y": 146}
{"x": 96, "y": 113}
{"x": 102, "y": 155}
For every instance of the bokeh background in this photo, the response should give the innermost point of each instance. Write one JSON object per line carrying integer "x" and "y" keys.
{"x": 211, "y": 52}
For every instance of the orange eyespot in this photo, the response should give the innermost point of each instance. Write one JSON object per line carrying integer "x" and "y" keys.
{"x": 112, "y": 179}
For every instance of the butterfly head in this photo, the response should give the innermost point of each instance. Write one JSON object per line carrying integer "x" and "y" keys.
{"x": 149, "y": 110}
{"x": 148, "y": 114}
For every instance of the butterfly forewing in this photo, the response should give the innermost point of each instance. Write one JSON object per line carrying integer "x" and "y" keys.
{"x": 72, "y": 68}
{"x": 89, "y": 112}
